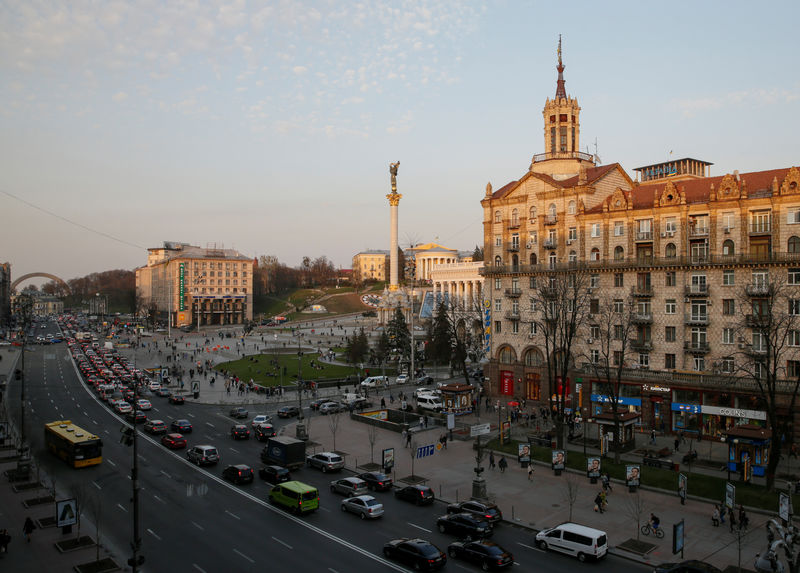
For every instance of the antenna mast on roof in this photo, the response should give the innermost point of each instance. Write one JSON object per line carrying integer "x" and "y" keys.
{"x": 597, "y": 159}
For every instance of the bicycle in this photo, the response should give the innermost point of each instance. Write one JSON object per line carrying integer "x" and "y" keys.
{"x": 657, "y": 531}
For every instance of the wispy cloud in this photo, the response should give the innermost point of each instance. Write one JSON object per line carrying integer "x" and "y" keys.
{"x": 690, "y": 107}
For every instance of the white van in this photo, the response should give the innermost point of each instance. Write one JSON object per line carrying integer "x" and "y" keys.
{"x": 430, "y": 402}
{"x": 374, "y": 381}
{"x": 573, "y": 539}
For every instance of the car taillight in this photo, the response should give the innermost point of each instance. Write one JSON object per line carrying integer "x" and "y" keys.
{"x": 487, "y": 516}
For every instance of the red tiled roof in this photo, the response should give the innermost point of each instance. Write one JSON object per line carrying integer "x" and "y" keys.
{"x": 592, "y": 175}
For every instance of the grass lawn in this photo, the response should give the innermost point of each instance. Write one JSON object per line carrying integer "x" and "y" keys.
{"x": 258, "y": 368}
{"x": 344, "y": 304}
{"x": 702, "y": 485}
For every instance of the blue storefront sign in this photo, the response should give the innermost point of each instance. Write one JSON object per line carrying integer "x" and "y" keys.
{"x": 690, "y": 408}
{"x": 621, "y": 400}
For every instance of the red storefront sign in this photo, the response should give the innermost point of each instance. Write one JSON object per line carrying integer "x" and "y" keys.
{"x": 506, "y": 383}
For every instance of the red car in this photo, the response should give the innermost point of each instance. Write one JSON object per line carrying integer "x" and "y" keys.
{"x": 174, "y": 441}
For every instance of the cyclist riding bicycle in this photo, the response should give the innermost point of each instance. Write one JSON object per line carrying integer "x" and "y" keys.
{"x": 654, "y": 521}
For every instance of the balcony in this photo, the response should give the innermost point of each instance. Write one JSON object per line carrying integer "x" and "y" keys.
{"x": 757, "y": 289}
{"x": 513, "y": 292}
{"x": 550, "y": 219}
{"x": 641, "y": 345}
{"x": 644, "y": 236}
{"x": 513, "y": 248}
{"x": 696, "y": 347}
{"x": 695, "y": 319}
{"x": 513, "y": 224}
{"x": 563, "y": 155}
{"x": 549, "y": 292}
{"x": 550, "y": 243}
{"x": 642, "y": 290}
{"x": 512, "y": 315}
{"x": 642, "y": 317}
{"x": 698, "y": 232}
{"x": 754, "y": 350}
{"x": 695, "y": 290}
{"x": 757, "y": 320}
{"x": 760, "y": 228}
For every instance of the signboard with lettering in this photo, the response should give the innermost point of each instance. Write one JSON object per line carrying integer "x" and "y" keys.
{"x": 734, "y": 412}
{"x": 66, "y": 512}
{"x": 181, "y": 286}
{"x": 425, "y": 451}
{"x": 479, "y": 430}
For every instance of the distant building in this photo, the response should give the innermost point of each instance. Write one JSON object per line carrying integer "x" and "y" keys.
{"x": 5, "y": 294}
{"x": 370, "y": 265}
{"x": 195, "y": 285}
{"x": 422, "y": 258}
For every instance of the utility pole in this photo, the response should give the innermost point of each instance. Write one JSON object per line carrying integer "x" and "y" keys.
{"x": 300, "y": 431}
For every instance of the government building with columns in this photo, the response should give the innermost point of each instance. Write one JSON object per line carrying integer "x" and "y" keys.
{"x": 694, "y": 251}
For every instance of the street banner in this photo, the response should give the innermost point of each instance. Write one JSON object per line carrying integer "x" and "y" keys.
{"x": 388, "y": 459}
{"x": 785, "y": 507}
{"x": 593, "y": 468}
{"x": 678, "y": 538}
{"x": 730, "y": 495}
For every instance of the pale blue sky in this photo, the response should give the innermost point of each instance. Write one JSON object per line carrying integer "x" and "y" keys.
{"x": 269, "y": 126}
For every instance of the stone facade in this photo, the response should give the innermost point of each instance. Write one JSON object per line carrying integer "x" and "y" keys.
{"x": 370, "y": 265}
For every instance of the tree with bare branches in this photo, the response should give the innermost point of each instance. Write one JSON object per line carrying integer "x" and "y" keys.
{"x": 572, "y": 486}
{"x": 333, "y": 425}
{"x": 456, "y": 334}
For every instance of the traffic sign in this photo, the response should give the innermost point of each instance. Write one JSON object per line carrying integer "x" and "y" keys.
{"x": 66, "y": 512}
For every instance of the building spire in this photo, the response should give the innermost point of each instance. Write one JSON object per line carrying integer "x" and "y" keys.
{"x": 560, "y": 91}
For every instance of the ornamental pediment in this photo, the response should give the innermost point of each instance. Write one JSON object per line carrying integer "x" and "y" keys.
{"x": 791, "y": 183}
{"x": 619, "y": 200}
{"x": 671, "y": 195}
{"x": 729, "y": 188}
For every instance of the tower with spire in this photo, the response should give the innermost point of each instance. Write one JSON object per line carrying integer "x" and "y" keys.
{"x": 562, "y": 133}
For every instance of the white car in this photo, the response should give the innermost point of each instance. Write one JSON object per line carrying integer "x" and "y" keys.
{"x": 402, "y": 379}
{"x": 143, "y": 404}
{"x": 123, "y": 407}
{"x": 155, "y": 386}
{"x": 260, "y": 419}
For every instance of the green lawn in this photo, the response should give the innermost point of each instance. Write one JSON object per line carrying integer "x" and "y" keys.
{"x": 258, "y": 368}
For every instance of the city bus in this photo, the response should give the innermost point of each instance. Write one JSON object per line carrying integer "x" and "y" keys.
{"x": 72, "y": 444}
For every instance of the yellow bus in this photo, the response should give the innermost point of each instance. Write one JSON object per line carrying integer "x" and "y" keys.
{"x": 72, "y": 444}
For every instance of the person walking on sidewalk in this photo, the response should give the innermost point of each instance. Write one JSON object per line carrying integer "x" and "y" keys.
{"x": 606, "y": 483}
{"x": 598, "y": 502}
{"x": 491, "y": 460}
{"x": 502, "y": 464}
{"x": 732, "y": 519}
{"x": 530, "y": 471}
{"x": 677, "y": 443}
{"x": 722, "y": 513}
{"x": 743, "y": 519}
{"x": 5, "y": 539}
{"x": 28, "y": 528}
{"x": 404, "y": 435}
{"x": 715, "y": 517}
{"x": 653, "y": 437}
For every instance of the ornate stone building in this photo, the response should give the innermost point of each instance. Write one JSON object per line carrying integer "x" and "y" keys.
{"x": 371, "y": 264}
{"x": 686, "y": 246}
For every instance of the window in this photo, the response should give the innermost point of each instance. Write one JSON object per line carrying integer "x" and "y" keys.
{"x": 671, "y": 306}
{"x": 573, "y": 257}
{"x": 619, "y": 305}
{"x": 794, "y": 276}
{"x": 728, "y": 306}
{"x": 594, "y": 255}
{"x": 514, "y": 327}
{"x": 595, "y": 230}
{"x": 670, "y": 251}
{"x": 498, "y": 240}
{"x": 534, "y": 328}
{"x": 594, "y": 281}
{"x": 793, "y": 368}
{"x": 699, "y": 363}
{"x": 617, "y": 357}
{"x": 670, "y": 278}
{"x": 498, "y": 325}
{"x": 533, "y": 237}
{"x": 728, "y": 222}
{"x": 619, "y": 253}
{"x": 794, "y": 306}
{"x": 498, "y": 304}
{"x": 669, "y": 333}
{"x": 553, "y": 259}
{"x": 532, "y": 212}
{"x": 727, "y": 365}
{"x": 498, "y": 261}
{"x": 619, "y": 228}
{"x": 644, "y": 360}
{"x": 793, "y": 215}
{"x": 727, "y": 336}
{"x": 669, "y": 361}
{"x": 594, "y": 332}
{"x": 670, "y": 225}
{"x": 594, "y": 306}
{"x": 571, "y": 208}
{"x": 532, "y": 282}
{"x": 794, "y": 338}
{"x": 498, "y": 283}
{"x": 533, "y": 304}
{"x": 619, "y": 280}
{"x": 498, "y": 217}
{"x": 727, "y": 247}
{"x": 618, "y": 332}
{"x": 551, "y": 211}
{"x": 515, "y": 241}
{"x": 728, "y": 278}
{"x": 594, "y": 356}
{"x": 573, "y": 234}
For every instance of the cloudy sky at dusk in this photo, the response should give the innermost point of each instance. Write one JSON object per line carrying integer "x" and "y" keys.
{"x": 269, "y": 126}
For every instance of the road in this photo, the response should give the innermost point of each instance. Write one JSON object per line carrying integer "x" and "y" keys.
{"x": 192, "y": 520}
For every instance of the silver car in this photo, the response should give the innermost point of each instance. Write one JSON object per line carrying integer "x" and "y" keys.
{"x": 365, "y": 506}
{"x": 330, "y": 408}
{"x": 326, "y": 461}
{"x": 349, "y": 486}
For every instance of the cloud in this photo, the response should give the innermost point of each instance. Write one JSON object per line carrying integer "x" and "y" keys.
{"x": 120, "y": 97}
{"x": 299, "y": 70}
{"x": 690, "y": 107}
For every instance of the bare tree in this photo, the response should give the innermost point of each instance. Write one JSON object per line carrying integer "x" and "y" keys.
{"x": 79, "y": 491}
{"x": 457, "y": 327}
{"x": 372, "y": 437}
{"x": 612, "y": 326}
{"x": 96, "y": 511}
{"x": 768, "y": 331}
{"x": 412, "y": 452}
{"x": 634, "y": 508}
{"x": 559, "y": 310}
{"x": 572, "y": 486}
{"x": 333, "y": 425}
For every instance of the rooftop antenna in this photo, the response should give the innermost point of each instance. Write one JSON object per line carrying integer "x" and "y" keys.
{"x": 597, "y": 159}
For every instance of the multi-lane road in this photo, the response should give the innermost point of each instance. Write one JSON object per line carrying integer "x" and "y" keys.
{"x": 192, "y": 520}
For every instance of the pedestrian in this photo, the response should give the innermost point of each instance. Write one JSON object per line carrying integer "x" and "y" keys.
{"x": 653, "y": 437}
{"x": 408, "y": 439}
{"x": 743, "y": 519}
{"x": 491, "y": 460}
{"x": 722, "y": 514}
{"x": 404, "y": 434}
{"x": 5, "y": 539}
{"x": 530, "y": 472}
{"x": 443, "y": 441}
{"x": 603, "y": 500}
{"x": 383, "y": 403}
{"x": 28, "y": 528}
{"x": 732, "y": 520}
{"x": 598, "y": 503}
{"x": 715, "y": 516}
{"x": 677, "y": 443}
{"x": 502, "y": 464}
{"x": 421, "y": 421}
{"x": 606, "y": 483}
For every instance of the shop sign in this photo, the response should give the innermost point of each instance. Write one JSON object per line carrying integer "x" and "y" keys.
{"x": 620, "y": 400}
{"x": 691, "y": 408}
{"x": 181, "y": 286}
{"x": 734, "y": 412}
{"x": 655, "y": 388}
{"x": 506, "y": 383}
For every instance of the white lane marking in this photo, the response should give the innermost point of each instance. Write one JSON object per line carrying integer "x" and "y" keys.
{"x": 192, "y": 415}
{"x": 212, "y": 425}
{"x": 122, "y": 508}
{"x": 94, "y": 483}
{"x": 530, "y": 547}
{"x": 151, "y": 532}
{"x": 107, "y": 432}
{"x": 166, "y": 474}
{"x": 233, "y": 515}
{"x": 112, "y": 463}
{"x": 324, "y": 509}
{"x": 243, "y": 555}
{"x": 159, "y": 499}
{"x": 235, "y": 451}
{"x": 196, "y": 566}
{"x": 198, "y": 526}
{"x": 418, "y": 527}
{"x": 332, "y": 570}
{"x": 286, "y": 545}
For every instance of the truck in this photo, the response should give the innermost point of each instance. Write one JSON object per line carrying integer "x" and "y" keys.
{"x": 284, "y": 451}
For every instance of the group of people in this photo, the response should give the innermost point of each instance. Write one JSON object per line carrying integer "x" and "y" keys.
{"x": 502, "y": 464}
{"x": 5, "y": 538}
{"x": 720, "y": 511}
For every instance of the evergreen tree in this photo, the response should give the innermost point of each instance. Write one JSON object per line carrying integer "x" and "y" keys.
{"x": 440, "y": 347}
{"x": 477, "y": 254}
{"x": 357, "y": 347}
{"x": 399, "y": 337}
{"x": 383, "y": 348}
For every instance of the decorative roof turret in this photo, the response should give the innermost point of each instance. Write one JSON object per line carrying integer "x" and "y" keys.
{"x": 560, "y": 91}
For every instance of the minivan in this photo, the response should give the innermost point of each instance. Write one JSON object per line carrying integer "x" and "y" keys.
{"x": 429, "y": 402}
{"x": 203, "y": 455}
{"x": 573, "y": 539}
{"x": 374, "y": 381}
{"x": 295, "y": 496}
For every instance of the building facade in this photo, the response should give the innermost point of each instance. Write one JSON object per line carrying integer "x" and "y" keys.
{"x": 5, "y": 295}
{"x": 694, "y": 252}
{"x": 194, "y": 285}
{"x": 370, "y": 265}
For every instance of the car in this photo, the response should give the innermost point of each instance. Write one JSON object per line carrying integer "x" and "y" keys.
{"x": 401, "y": 379}
{"x": 365, "y": 506}
{"x": 487, "y": 554}
{"x": 377, "y": 481}
{"x": 488, "y": 511}
{"x": 142, "y": 404}
{"x": 349, "y": 486}
{"x": 464, "y": 525}
{"x": 177, "y": 400}
{"x": 183, "y": 426}
{"x": 417, "y": 553}
{"x": 326, "y": 461}
{"x": 417, "y": 494}
{"x": 264, "y": 432}
{"x": 174, "y": 441}
{"x": 424, "y": 380}
{"x": 315, "y": 404}
{"x": 239, "y": 473}
{"x": 274, "y": 474}
{"x": 122, "y": 406}
{"x": 690, "y": 566}
{"x": 163, "y": 393}
{"x": 260, "y": 419}
{"x": 154, "y": 386}
{"x": 137, "y": 417}
{"x": 155, "y": 427}
{"x": 239, "y": 413}
{"x": 288, "y": 411}
{"x": 240, "y": 432}
{"x": 204, "y": 455}
{"x": 330, "y": 408}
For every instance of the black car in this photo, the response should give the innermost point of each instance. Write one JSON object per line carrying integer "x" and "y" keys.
{"x": 417, "y": 553}
{"x": 315, "y": 404}
{"x": 691, "y": 566}
{"x": 181, "y": 426}
{"x": 487, "y": 554}
{"x": 288, "y": 411}
{"x": 239, "y": 473}
{"x": 136, "y": 416}
{"x": 488, "y": 511}
{"x": 240, "y": 432}
{"x": 377, "y": 481}
{"x": 464, "y": 525}
{"x": 274, "y": 474}
{"x": 177, "y": 400}
{"x": 418, "y": 494}
{"x": 264, "y": 432}
{"x": 239, "y": 413}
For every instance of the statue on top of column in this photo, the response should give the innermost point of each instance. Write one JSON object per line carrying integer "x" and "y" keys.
{"x": 393, "y": 170}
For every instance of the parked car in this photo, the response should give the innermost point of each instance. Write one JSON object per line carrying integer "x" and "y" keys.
{"x": 349, "y": 486}
{"x": 274, "y": 474}
{"x": 239, "y": 473}
{"x": 203, "y": 455}
{"x": 325, "y": 461}
{"x": 155, "y": 427}
{"x": 330, "y": 408}
{"x": 464, "y": 525}
{"x": 183, "y": 426}
{"x": 377, "y": 481}
{"x": 240, "y": 432}
{"x": 487, "y": 554}
{"x": 365, "y": 506}
{"x": 239, "y": 413}
{"x": 417, "y": 494}
{"x": 417, "y": 553}
{"x": 487, "y": 510}
{"x": 690, "y": 566}
{"x": 174, "y": 441}
{"x": 288, "y": 411}
{"x": 177, "y": 400}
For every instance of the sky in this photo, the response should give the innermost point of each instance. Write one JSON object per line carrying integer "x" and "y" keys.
{"x": 268, "y": 127}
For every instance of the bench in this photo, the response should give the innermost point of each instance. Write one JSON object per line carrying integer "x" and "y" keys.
{"x": 658, "y": 463}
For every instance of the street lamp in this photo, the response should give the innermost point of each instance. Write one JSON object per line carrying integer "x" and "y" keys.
{"x": 300, "y": 431}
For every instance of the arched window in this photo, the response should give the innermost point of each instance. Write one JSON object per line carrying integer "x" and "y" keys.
{"x": 794, "y": 244}
{"x": 619, "y": 253}
{"x": 533, "y": 212}
{"x": 533, "y": 357}
{"x": 514, "y": 218}
{"x": 727, "y": 247}
{"x": 670, "y": 251}
{"x": 498, "y": 217}
{"x": 553, "y": 258}
{"x": 533, "y": 258}
{"x": 498, "y": 261}
{"x": 506, "y": 355}
{"x": 551, "y": 210}
{"x": 595, "y": 254}
{"x": 571, "y": 208}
